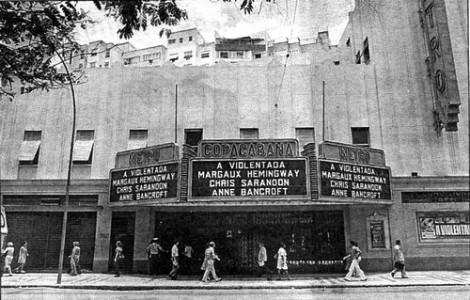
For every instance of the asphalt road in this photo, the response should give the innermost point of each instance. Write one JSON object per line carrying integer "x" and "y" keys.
{"x": 408, "y": 293}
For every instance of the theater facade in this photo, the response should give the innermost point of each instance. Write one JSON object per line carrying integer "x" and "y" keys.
{"x": 371, "y": 147}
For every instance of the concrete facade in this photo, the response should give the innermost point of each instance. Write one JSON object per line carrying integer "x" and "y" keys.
{"x": 389, "y": 95}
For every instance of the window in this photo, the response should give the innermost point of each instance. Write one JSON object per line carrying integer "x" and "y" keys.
{"x": 82, "y": 54}
{"x": 80, "y": 66}
{"x": 348, "y": 42}
{"x": 173, "y": 57}
{"x": 249, "y": 133}
{"x": 336, "y": 62}
{"x": 190, "y": 38}
{"x": 93, "y": 65}
{"x": 150, "y": 61}
{"x": 132, "y": 60}
{"x": 192, "y": 136}
{"x": 365, "y": 52}
{"x": 223, "y": 54}
{"x": 137, "y": 139}
{"x": 360, "y": 136}
{"x": 188, "y": 55}
{"x": 258, "y": 55}
{"x": 29, "y": 150}
{"x": 358, "y": 57}
{"x": 150, "y": 56}
{"x": 239, "y": 54}
{"x": 94, "y": 53}
{"x": 181, "y": 40}
{"x": 108, "y": 51}
{"x": 106, "y": 64}
{"x": 171, "y": 41}
{"x": 205, "y": 54}
{"x": 83, "y": 147}
{"x": 305, "y": 135}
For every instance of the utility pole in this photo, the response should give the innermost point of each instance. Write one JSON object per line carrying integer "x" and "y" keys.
{"x": 67, "y": 186}
{"x": 323, "y": 112}
{"x": 176, "y": 114}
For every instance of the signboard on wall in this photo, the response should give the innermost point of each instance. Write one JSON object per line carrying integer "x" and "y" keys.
{"x": 377, "y": 234}
{"x": 344, "y": 180}
{"x": 248, "y": 178}
{"x": 442, "y": 226}
{"x": 149, "y": 184}
{"x": 440, "y": 63}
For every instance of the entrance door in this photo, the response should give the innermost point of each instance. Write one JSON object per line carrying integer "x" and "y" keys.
{"x": 122, "y": 229}
{"x": 314, "y": 240}
{"x": 42, "y": 231}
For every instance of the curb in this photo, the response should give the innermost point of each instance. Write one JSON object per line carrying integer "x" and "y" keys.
{"x": 231, "y": 287}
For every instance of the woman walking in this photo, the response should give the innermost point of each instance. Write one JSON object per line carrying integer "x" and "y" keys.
{"x": 9, "y": 251}
{"x": 355, "y": 257}
{"x": 22, "y": 258}
{"x": 281, "y": 256}
{"x": 118, "y": 257}
{"x": 208, "y": 264}
{"x": 75, "y": 259}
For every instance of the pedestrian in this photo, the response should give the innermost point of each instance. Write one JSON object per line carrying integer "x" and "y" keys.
{"x": 399, "y": 260}
{"x": 153, "y": 253}
{"x": 75, "y": 259}
{"x": 175, "y": 264}
{"x": 188, "y": 257}
{"x": 8, "y": 252}
{"x": 355, "y": 257}
{"x": 118, "y": 258}
{"x": 22, "y": 256}
{"x": 262, "y": 259}
{"x": 208, "y": 265}
{"x": 281, "y": 257}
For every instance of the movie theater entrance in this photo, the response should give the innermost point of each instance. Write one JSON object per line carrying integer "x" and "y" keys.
{"x": 315, "y": 240}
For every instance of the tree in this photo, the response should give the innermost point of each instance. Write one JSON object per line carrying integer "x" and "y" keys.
{"x": 33, "y": 33}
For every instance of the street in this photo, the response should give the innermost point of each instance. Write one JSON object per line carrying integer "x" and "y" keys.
{"x": 383, "y": 293}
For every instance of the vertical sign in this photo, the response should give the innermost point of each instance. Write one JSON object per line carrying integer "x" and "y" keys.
{"x": 440, "y": 63}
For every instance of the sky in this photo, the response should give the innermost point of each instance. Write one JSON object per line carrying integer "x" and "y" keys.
{"x": 281, "y": 19}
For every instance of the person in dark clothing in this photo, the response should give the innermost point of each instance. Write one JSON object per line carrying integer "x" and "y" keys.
{"x": 154, "y": 251}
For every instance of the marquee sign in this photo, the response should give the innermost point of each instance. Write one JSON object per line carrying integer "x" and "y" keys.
{"x": 248, "y": 178}
{"x": 149, "y": 184}
{"x": 345, "y": 180}
{"x": 248, "y": 148}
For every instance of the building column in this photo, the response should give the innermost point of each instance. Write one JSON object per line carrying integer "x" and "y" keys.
{"x": 144, "y": 231}
{"x": 103, "y": 233}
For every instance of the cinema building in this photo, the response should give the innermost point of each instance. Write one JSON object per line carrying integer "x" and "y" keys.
{"x": 311, "y": 155}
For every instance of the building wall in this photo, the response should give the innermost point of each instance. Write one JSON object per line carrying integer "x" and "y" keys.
{"x": 158, "y": 60}
{"x": 221, "y": 100}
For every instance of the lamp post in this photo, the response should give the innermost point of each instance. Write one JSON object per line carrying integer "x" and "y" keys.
{"x": 69, "y": 170}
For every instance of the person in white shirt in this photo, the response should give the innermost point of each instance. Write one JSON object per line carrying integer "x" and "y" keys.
{"x": 399, "y": 260}
{"x": 208, "y": 265}
{"x": 281, "y": 257}
{"x": 262, "y": 259}
{"x": 9, "y": 251}
{"x": 175, "y": 265}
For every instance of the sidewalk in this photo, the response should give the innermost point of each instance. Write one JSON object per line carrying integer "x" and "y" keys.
{"x": 142, "y": 282}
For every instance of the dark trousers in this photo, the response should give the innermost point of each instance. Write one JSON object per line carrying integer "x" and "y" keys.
{"x": 174, "y": 271}
{"x": 264, "y": 270}
{"x": 153, "y": 264}
{"x": 117, "y": 267}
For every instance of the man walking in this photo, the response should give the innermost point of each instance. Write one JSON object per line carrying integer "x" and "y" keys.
{"x": 153, "y": 252}
{"x": 175, "y": 265}
{"x": 262, "y": 259}
{"x": 355, "y": 257}
{"x": 208, "y": 264}
{"x": 399, "y": 260}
